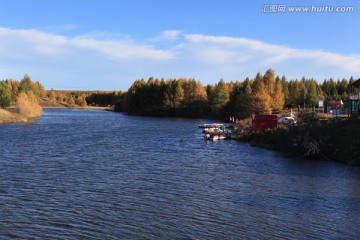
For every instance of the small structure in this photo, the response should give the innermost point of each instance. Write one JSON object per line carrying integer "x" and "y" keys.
{"x": 354, "y": 98}
{"x": 262, "y": 122}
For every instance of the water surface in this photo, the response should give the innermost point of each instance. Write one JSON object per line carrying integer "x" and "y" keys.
{"x": 85, "y": 174}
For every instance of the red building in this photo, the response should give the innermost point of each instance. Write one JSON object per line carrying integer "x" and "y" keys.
{"x": 262, "y": 122}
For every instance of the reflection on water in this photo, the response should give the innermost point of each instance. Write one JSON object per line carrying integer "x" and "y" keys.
{"x": 82, "y": 174}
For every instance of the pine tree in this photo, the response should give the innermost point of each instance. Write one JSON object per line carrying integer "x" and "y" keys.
{"x": 244, "y": 103}
{"x": 312, "y": 93}
{"x": 6, "y": 96}
{"x": 285, "y": 86}
{"x": 219, "y": 97}
{"x": 178, "y": 94}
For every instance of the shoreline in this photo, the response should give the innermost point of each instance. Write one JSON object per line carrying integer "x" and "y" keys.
{"x": 11, "y": 117}
{"x": 335, "y": 140}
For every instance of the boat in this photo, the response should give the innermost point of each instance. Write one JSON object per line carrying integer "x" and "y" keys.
{"x": 216, "y": 137}
{"x": 212, "y": 125}
{"x": 212, "y": 130}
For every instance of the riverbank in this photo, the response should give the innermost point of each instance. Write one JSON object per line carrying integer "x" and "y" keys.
{"x": 9, "y": 117}
{"x": 336, "y": 140}
{"x": 46, "y": 103}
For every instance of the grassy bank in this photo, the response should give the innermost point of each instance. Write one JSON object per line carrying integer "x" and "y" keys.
{"x": 9, "y": 117}
{"x": 335, "y": 139}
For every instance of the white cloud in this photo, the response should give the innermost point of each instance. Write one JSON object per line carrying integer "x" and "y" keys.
{"x": 119, "y": 50}
{"x": 267, "y": 54}
{"x": 168, "y": 35}
{"x": 40, "y": 43}
{"x": 100, "y": 60}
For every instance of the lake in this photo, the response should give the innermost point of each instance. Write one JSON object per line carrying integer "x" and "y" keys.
{"x": 87, "y": 174}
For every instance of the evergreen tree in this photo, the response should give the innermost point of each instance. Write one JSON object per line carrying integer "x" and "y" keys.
{"x": 312, "y": 93}
{"x": 178, "y": 93}
{"x": 342, "y": 89}
{"x": 285, "y": 86}
{"x": 219, "y": 97}
{"x": 244, "y": 103}
{"x": 26, "y": 85}
{"x": 6, "y": 96}
{"x": 257, "y": 80}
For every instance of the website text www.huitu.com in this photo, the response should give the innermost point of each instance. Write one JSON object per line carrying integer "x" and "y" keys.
{"x": 281, "y": 8}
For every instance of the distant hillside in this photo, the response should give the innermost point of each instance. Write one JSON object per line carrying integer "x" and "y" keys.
{"x": 46, "y": 103}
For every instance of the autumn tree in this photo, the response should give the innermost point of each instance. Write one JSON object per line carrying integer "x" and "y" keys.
{"x": 200, "y": 93}
{"x": 28, "y": 104}
{"x": 278, "y": 100}
{"x": 52, "y": 95}
{"x": 70, "y": 102}
{"x": 81, "y": 101}
{"x": 261, "y": 100}
{"x": 269, "y": 81}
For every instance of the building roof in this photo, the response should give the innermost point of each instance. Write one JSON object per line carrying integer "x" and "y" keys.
{"x": 356, "y": 83}
{"x": 263, "y": 117}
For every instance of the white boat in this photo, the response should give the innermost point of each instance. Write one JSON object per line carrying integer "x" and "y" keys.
{"x": 212, "y": 125}
{"x": 216, "y": 137}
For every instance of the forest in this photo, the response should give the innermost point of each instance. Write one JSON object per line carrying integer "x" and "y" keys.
{"x": 24, "y": 95}
{"x": 263, "y": 94}
{"x": 27, "y": 96}
{"x": 73, "y": 98}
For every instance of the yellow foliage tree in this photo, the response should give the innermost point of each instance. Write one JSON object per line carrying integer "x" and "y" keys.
{"x": 81, "y": 101}
{"x": 28, "y": 105}
{"x": 278, "y": 98}
{"x": 261, "y": 100}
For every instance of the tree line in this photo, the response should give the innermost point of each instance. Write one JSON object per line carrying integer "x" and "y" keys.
{"x": 263, "y": 94}
{"x": 73, "y": 98}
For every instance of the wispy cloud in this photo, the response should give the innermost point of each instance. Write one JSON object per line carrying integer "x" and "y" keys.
{"x": 168, "y": 35}
{"x": 230, "y": 49}
{"x": 113, "y": 61}
{"x": 41, "y": 43}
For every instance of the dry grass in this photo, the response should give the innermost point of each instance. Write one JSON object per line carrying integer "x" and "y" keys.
{"x": 46, "y": 103}
{"x": 8, "y": 117}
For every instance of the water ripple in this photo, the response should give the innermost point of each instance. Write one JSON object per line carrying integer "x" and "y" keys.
{"x": 102, "y": 175}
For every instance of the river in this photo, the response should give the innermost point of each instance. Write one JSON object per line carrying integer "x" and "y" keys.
{"x": 87, "y": 174}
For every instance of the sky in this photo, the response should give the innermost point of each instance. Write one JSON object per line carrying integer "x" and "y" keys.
{"x": 108, "y": 44}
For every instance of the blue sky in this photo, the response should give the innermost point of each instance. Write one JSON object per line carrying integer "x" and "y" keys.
{"x": 107, "y": 44}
